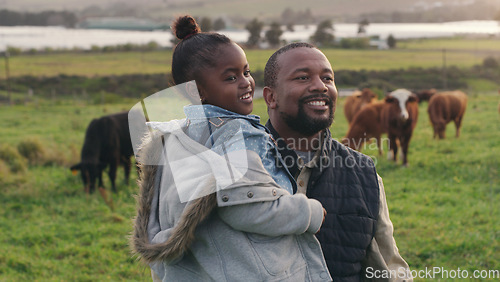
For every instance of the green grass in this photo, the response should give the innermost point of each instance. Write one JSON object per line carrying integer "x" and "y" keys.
{"x": 57, "y": 233}
{"x": 89, "y": 64}
{"x": 51, "y": 230}
{"x": 453, "y": 43}
{"x": 444, "y": 206}
{"x": 398, "y": 59}
{"x": 463, "y": 53}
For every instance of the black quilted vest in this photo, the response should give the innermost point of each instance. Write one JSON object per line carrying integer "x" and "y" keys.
{"x": 346, "y": 184}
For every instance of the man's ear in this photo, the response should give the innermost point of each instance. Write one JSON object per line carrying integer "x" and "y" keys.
{"x": 193, "y": 92}
{"x": 269, "y": 96}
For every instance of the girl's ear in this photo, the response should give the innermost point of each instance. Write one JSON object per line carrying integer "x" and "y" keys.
{"x": 193, "y": 92}
{"x": 270, "y": 97}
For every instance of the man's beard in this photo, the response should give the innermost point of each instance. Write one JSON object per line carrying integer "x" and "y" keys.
{"x": 305, "y": 124}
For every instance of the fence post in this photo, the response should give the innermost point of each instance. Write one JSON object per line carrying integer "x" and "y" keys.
{"x": 7, "y": 74}
{"x": 53, "y": 96}
{"x": 85, "y": 96}
{"x": 445, "y": 81}
{"x": 29, "y": 97}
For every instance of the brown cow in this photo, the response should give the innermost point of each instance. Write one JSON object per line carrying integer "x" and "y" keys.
{"x": 445, "y": 107}
{"x": 365, "y": 125}
{"x": 399, "y": 118}
{"x": 396, "y": 115}
{"x": 357, "y": 101}
{"x": 425, "y": 95}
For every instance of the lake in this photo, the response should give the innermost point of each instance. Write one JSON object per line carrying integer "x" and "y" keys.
{"x": 27, "y": 37}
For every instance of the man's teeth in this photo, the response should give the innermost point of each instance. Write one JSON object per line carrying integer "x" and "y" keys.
{"x": 246, "y": 96}
{"x": 317, "y": 103}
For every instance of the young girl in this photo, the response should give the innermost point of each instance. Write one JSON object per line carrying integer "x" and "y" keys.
{"x": 239, "y": 219}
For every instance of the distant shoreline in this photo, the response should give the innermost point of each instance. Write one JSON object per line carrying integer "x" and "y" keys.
{"x": 28, "y": 37}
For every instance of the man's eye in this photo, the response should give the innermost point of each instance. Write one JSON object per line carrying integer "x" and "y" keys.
{"x": 328, "y": 78}
{"x": 301, "y": 78}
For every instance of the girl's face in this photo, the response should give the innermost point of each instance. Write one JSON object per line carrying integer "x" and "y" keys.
{"x": 229, "y": 84}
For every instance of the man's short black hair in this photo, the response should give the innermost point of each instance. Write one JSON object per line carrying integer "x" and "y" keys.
{"x": 272, "y": 68}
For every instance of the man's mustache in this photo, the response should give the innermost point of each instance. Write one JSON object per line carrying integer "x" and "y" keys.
{"x": 315, "y": 96}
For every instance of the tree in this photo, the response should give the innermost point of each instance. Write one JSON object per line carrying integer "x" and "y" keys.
{"x": 306, "y": 16}
{"x": 273, "y": 34}
{"x": 362, "y": 26}
{"x": 219, "y": 24}
{"x": 206, "y": 24}
{"x": 46, "y": 18}
{"x": 391, "y": 41}
{"x": 324, "y": 34}
{"x": 254, "y": 28}
{"x": 288, "y": 16}
{"x": 355, "y": 43}
{"x": 490, "y": 62}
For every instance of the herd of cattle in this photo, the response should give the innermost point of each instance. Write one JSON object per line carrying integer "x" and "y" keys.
{"x": 107, "y": 139}
{"x": 397, "y": 115}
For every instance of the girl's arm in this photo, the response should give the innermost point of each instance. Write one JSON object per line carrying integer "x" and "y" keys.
{"x": 289, "y": 214}
{"x": 255, "y": 203}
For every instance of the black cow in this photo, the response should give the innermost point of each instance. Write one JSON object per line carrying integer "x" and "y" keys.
{"x": 107, "y": 142}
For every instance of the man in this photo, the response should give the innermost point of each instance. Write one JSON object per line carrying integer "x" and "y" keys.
{"x": 357, "y": 236}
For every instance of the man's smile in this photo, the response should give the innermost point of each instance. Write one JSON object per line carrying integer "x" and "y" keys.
{"x": 317, "y": 102}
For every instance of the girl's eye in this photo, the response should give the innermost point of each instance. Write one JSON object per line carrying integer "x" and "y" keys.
{"x": 231, "y": 78}
{"x": 246, "y": 73}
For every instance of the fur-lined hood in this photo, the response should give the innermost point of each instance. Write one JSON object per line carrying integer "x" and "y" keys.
{"x": 151, "y": 154}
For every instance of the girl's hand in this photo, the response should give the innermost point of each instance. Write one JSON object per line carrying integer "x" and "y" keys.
{"x": 324, "y": 216}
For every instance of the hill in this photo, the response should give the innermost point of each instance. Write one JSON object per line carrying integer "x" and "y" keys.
{"x": 239, "y": 11}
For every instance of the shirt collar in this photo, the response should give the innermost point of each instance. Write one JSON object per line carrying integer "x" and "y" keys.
{"x": 199, "y": 113}
{"x": 316, "y": 157}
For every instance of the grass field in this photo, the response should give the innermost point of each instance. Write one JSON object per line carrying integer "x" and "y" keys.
{"x": 462, "y": 53}
{"x": 444, "y": 206}
{"x": 453, "y": 43}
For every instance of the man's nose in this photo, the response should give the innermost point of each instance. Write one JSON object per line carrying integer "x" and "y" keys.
{"x": 317, "y": 85}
